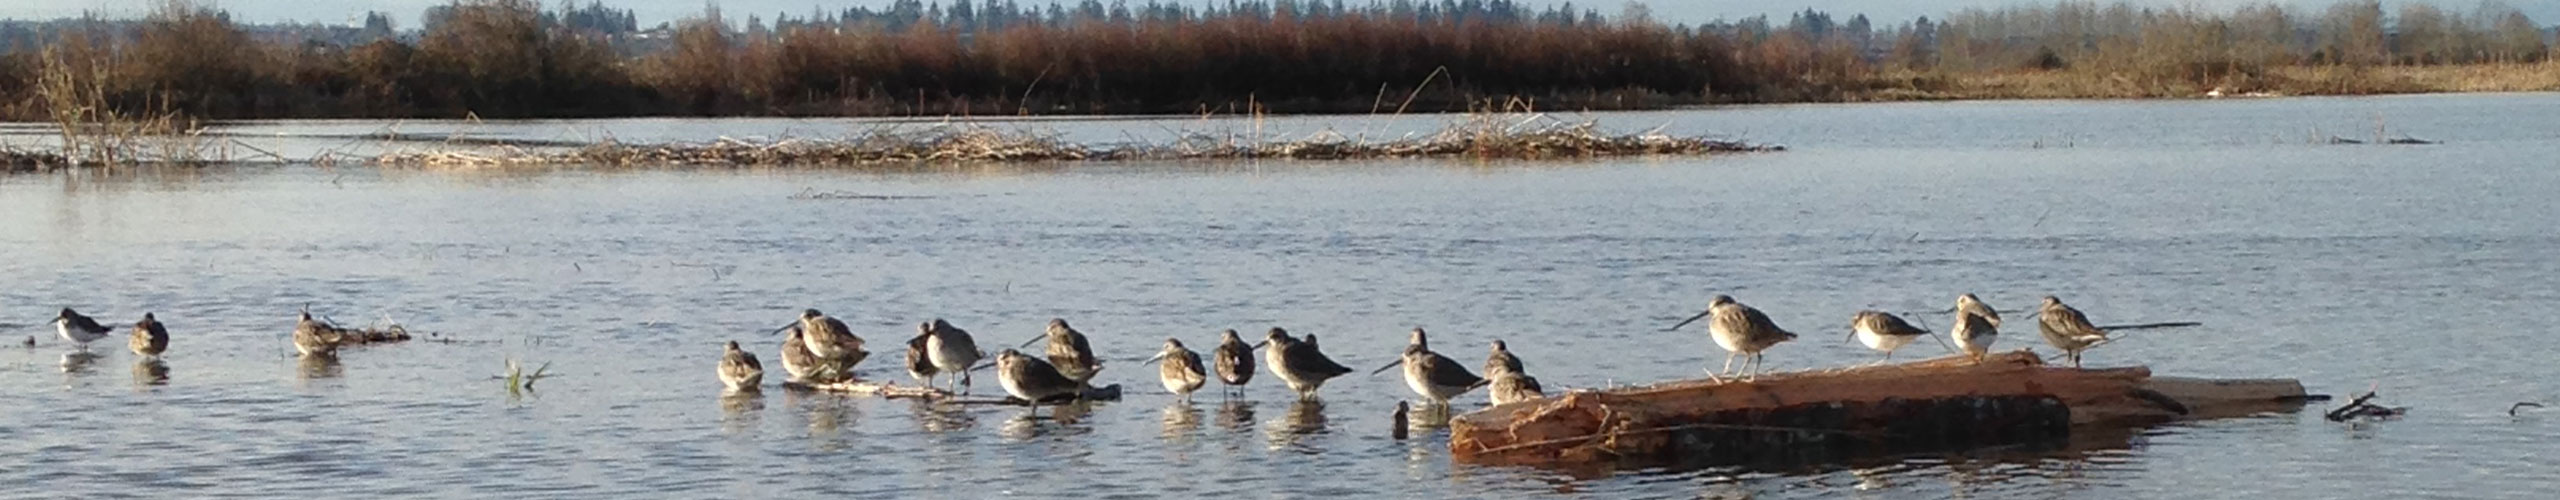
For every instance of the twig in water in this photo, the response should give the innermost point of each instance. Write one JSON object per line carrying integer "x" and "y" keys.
{"x": 2511, "y": 410}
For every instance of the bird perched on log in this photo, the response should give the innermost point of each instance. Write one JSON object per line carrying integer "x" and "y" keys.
{"x": 1740, "y": 330}
{"x": 1976, "y": 326}
{"x": 1235, "y": 361}
{"x": 1500, "y": 360}
{"x": 831, "y": 340}
{"x": 797, "y": 362}
{"x": 1437, "y": 378}
{"x": 1031, "y": 379}
{"x": 920, "y": 364}
{"x": 1884, "y": 331}
{"x": 1299, "y": 363}
{"x": 2067, "y": 329}
{"x": 953, "y": 352}
{"x": 1181, "y": 371}
{"x": 149, "y": 338}
{"x": 739, "y": 369}
{"x": 315, "y": 339}
{"x": 80, "y": 330}
{"x": 1069, "y": 352}
{"x": 1509, "y": 382}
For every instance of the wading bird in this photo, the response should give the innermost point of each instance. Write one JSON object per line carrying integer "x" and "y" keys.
{"x": 1739, "y": 329}
{"x": 1501, "y": 360}
{"x": 315, "y": 339}
{"x": 1031, "y": 379}
{"x": 1509, "y": 381}
{"x": 1181, "y": 371}
{"x": 1437, "y": 378}
{"x": 797, "y": 362}
{"x": 1883, "y": 331}
{"x": 1235, "y": 361}
{"x": 79, "y": 329}
{"x": 1299, "y": 363}
{"x": 920, "y": 364}
{"x": 953, "y": 352}
{"x": 149, "y": 338}
{"x": 1976, "y": 326}
{"x": 1069, "y": 352}
{"x": 739, "y": 369}
{"x": 831, "y": 340}
{"x": 2066, "y": 329}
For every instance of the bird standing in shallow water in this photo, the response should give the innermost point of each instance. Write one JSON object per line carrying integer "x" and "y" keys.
{"x": 1181, "y": 371}
{"x": 1501, "y": 360}
{"x": 953, "y": 352}
{"x": 1510, "y": 382}
{"x": 1068, "y": 351}
{"x": 739, "y": 369}
{"x": 1235, "y": 361}
{"x": 79, "y": 329}
{"x": 315, "y": 339}
{"x": 1739, "y": 329}
{"x": 1031, "y": 379}
{"x": 1976, "y": 326}
{"x": 2066, "y": 329}
{"x": 1299, "y": 363}
{"x": 1437, "y": 378}
{"x": 149, "y": 338}
{"x": 1883, "y": 331}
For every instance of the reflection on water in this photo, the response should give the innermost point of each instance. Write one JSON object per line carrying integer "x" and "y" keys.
{"x": 1059, "y": 420}
{"x": 150, "y": 371}
{"x": 1235, "y": 414}
{"x": 1181, "y": 420}
{"x": 1304, "y": 418}
{"x": 78, "y": 361}
{"x": 940, "y": 416}
{"x": 316, "y": 367}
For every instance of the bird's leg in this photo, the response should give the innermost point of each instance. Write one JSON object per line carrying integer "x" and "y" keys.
{"x": 1728, "y": 364}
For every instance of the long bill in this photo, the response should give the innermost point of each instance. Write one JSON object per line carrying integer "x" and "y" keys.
{"x": 1258, "y": 345}
{"x": 1158, "y": 357}
{"x": 784, "y": 328}
{"x": 1692, "y": 319}
{"x": 1034, "y": 340}
{"x": 1390, "y": 364}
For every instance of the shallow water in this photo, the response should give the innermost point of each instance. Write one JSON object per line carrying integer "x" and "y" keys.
{"x": 2345, "y": 266}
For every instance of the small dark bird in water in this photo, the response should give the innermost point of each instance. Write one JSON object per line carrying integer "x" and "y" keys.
{"x": 1403, "y": 420}
{"x": 739, "y": 369}
{"x": 1884, "y": 331}
{"x": 2066, "y": 329}
{"x": 1031, "y": 379}
{"x": 1235, "y": 361}
{"x": 1976, "y": 326}
{"x": 953, "y": 352}
{"x": 1740, "y": 330}
{"x": 1181, "y": 371}
{"x": 31, "y": 342}
{"x": 1300, "y": 364}
{"x": 79, "y": 329}
{"x": 1437, "y": 378}
{"x": 315, "y": 339}
{"x": 1069, "y": 352}
{"x": 149, "y": 338}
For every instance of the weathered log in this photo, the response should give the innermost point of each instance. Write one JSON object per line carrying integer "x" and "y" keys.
{"x": 892, "y": 390}
{"x": 1937, "y": 404}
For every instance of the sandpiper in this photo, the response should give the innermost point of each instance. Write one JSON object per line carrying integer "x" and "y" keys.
{"x": 1513, "y": 387}
{"x": 149, "y": 338}
{"x": 1739, "y": 329}
{"x": 953, "y": 352}
{"x": 739, "y": 369}
{"x": 1976, "y": 326}
{"x": 1235, "y": 361}
{"x": 800, "y": 364}
{"x": 2066, "y": 329}
{"x": 919, "y": 364}
{"x": 1437, "y": 378}
{"x": 1069, "y": 352}
{"x": 1884, "y": 331}
{"x": 79, "y": 329}
{"x": 315, "y": 339}
{"x": 1299, "y": 363}
{"x": 1501, "y": 360}
{"x": 1181, "y": 371}
{"x": 831, "y": 340}
{"x": 1031, "y": 379}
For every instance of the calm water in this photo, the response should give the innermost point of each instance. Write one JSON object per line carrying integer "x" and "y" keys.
{"x": 2418, "y": 268}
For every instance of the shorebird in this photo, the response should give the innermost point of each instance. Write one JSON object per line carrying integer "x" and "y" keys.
{"x": 1031, "y": 379}
{"x": 739, "y": 369}
{"x": 1501, "y": 360}
{"x": 797, "y": 362}
{"x": 1299, "y": 363}
{"x": 919, "y": 364}
{"x": 149, "y": 338}
{"x": 1976, "y": 326}
{"x": 315, "y": 339}
{"x": 830, "y": 339}
{"x": 1437, "y": 378}
{"x": 1235, "y": 361}
{"x": 953, "y": 352}
{"x": 1508, "y": 381}
{"x": 79, "y": 329}
{"x": 2066, "y": 329}
{"x": 1739, "y": 329}
{"x": 1069, "y": 352}
{"x": 1884, "y": 331}
{"x": 1181, "y": 371}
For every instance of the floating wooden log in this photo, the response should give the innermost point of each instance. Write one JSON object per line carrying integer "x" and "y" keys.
{"x": 893, "y": 390}
{"x": 1938, "y": 404}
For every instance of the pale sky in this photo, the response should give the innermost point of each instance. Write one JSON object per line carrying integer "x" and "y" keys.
{"x": 652, "y": 12}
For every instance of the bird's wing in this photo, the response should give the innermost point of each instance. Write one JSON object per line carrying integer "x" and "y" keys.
{"x": 1442, "y": 371}
{"x": 1305, "y": 358}
{"x": 2069, "y": 322}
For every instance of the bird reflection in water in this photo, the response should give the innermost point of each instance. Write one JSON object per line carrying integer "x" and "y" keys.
{"x": 1305, "y": 418}
{"x": 150, "y": 371}
{"x": 1181, "y": 420}
{"x": 940, "y": 417}
{"x": 827, "y": 413}
{"x": 740, "y": 411}
{"x": 78, "y": 361}
{"x": 319, "y": 367}
{"x": 1235, "y": 414}
{"x": 1062, "y": 419}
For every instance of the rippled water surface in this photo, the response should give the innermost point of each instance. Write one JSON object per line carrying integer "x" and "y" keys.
{"x": 2422, "y": 269}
